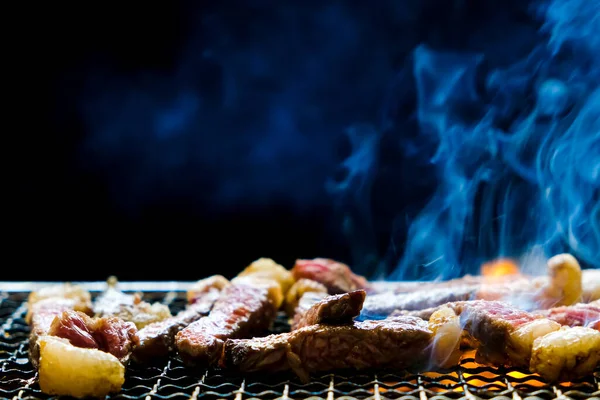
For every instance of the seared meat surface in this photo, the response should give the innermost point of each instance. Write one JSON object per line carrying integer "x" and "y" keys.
{"x": 44, "y": 305}
{"x": 335, "y": 276}
{"x": 335, "y": 310}
{"x": 109, "y": 334}
{"x": 244, "y": 308}
{"x": 399, "y": 343}
{"x": 158, "y": 338}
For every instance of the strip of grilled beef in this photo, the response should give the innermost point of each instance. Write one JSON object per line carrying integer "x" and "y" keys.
{"x": 562, "y": 286}
{"x": 398, "y": 343}
{"x": 109, "y": 334}
{"x": 244, "y": 308}
{"x": 382, "y": 305}
{"x": 48, "y": 303}
{"x": 335, "y": 310}
{"x": 157, "y": 340}
{"x": 335, "y": 276}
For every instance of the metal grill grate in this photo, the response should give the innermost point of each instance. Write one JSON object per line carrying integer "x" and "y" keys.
{"x": 172, "y": 380}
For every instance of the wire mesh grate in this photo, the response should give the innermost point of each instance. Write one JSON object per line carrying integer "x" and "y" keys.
{"x": 171, "y": 379}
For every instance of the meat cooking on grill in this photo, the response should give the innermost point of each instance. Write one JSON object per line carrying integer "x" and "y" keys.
{"x": 562, "y": 287}
{"x": 393, "y": 343}
{"x": 505, "y": 335}
{"x": 566, "y": 354}
{"x": 336, "y": 309}
{"x": 335, "y": 276}
{"x": 158, "y": 338}
{"x": 581, "y": 314}
{"x": 247, "y": 307}
{"x": 128, "y": 307}
{"x": 47, "y": 303}
{"x": 548, "y": 324}
{"x": 65, "y": 368}
{"x": 109, "y": 334}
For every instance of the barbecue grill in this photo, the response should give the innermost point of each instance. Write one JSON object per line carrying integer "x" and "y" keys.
{"x": 170, "y": 379}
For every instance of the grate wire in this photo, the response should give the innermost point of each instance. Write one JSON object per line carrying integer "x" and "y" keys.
{"x": 171, "y": 379}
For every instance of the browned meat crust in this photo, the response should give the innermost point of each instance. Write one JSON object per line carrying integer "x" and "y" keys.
{"x": 243, "y": 309}
{"x": 158, "y": 339}
{"x": 337, "y": 277}
{"x": 109, "y": 334}
{"x": 337, "y": 309}
{"x": 393, "y": 343}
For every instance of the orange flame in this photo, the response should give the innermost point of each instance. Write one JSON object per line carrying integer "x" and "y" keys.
{"x": 499, "y": 269}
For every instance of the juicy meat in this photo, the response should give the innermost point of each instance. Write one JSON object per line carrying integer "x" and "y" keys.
{"x": 111, "y": 335}
{"x": 158, "y": 338}
{"x": 379, "y": 306}
{"x": 337, "y": 309}
{"x": 399, "y": 342}
{"x": 566, "y": 354}
{"x": 243, "y": 309}
{"x": 335, "y": 276}
{"x": 45, "y": 304}
{"x": 578, "y": 315}
{"x": 41, "y": 315}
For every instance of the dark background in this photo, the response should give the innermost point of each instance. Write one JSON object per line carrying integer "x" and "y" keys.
{"x": 269, "y": 87}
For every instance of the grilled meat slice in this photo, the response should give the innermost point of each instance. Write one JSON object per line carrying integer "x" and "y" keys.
{"x": 566, "y": 354}
{"x": 158, "y": 339}
{"x": 335, "y": 310}
{"x": 581, "y": 314}
{"x": 47, "y": 303}
{"x": 108, "y": 334}
{"x": 246, "y": 307}
{"x": 393, "y": 343}
{"x": 129, "y": 307}
{"x": 382, "y": 305}
{"x": 335, "y": 276}
{"x": 562, "y": 286}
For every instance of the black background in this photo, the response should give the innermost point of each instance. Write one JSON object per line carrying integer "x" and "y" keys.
{"x": 62, "y": 219}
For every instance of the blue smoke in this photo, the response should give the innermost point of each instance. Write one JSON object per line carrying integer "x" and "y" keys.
{"x": 529, "y": 188}
{"x": 468, "y": 138}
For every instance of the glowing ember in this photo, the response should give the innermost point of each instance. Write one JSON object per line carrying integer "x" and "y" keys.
{"x": 498, "y": 269}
